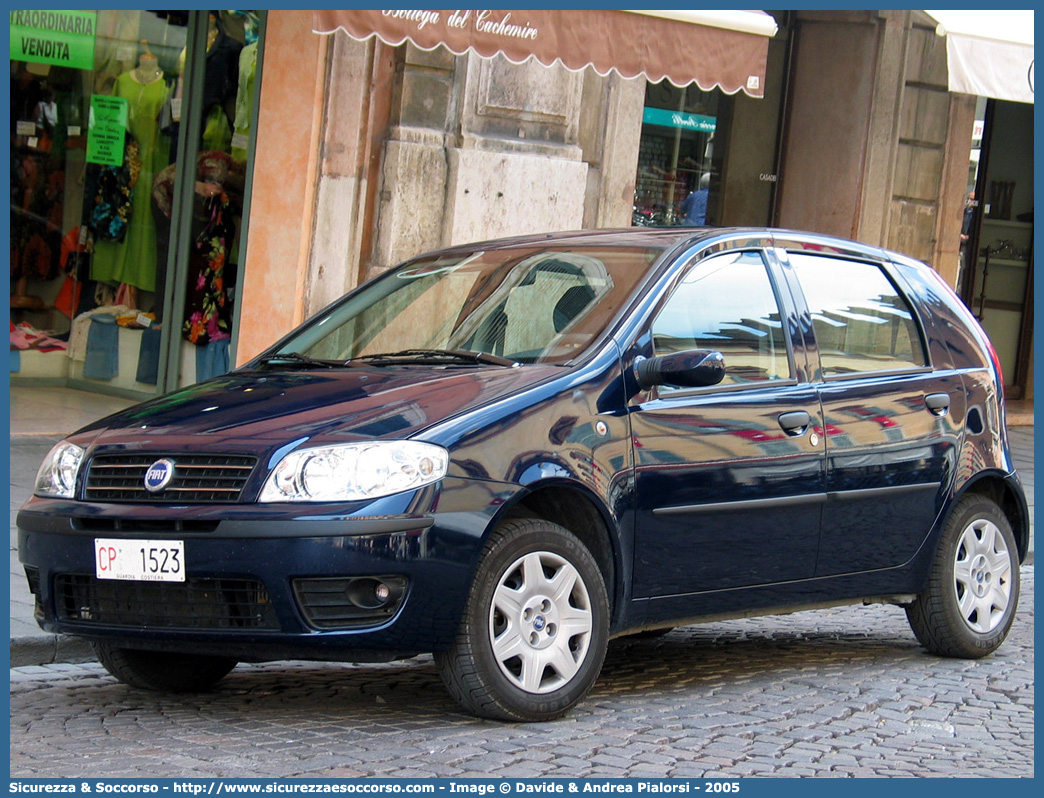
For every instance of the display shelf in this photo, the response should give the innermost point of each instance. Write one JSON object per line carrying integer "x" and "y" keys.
{"x": 1013, "y": 262}
{"x": 1009, "y": 223}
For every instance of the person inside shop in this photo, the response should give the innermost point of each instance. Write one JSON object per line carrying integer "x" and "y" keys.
{"x": 208, "y": 308}
{"x": 969, "y": 216}
{"x": 694, "y": 206}
{"x": 46, "y": 114}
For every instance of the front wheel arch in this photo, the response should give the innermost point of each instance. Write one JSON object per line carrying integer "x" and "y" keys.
{"x": 578, "y": 512}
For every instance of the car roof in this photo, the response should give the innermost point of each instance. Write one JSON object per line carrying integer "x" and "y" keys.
{"x": 670, "y": 238}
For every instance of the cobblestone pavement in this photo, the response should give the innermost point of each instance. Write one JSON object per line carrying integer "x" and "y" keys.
{"x": 845, "y": 692}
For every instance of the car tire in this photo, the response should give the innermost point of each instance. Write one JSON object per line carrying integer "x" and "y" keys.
{"x": 973, "y": 589}
{"x": 535, "y": 627}
{"x": 163, "y": 671}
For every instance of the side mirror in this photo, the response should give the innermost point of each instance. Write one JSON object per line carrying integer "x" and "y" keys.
{"x": 695, "y": 368}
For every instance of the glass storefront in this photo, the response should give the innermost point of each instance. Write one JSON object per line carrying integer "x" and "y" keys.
{"x": 124, "y": 261}
{"x": 676, "y": 156}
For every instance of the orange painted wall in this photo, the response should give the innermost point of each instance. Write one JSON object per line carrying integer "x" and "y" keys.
{"x": 282, "y": 196}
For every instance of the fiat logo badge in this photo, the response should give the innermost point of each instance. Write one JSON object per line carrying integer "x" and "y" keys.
{"x": 159, "y": 475}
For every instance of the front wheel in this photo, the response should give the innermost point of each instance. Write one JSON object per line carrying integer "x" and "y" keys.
{"x": 535, "y": 627}
{"x": 973, "y": 588}
{"x": 162, "y": 671}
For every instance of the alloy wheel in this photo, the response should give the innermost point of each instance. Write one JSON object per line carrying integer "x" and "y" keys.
{"x": 982, "y": 576}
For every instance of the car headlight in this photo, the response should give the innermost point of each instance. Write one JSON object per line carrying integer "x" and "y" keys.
{"x": 354, "y": 471}
{"x": 57, "y": 476}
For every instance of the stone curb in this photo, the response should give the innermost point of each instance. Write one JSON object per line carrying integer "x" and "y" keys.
{"x": 49, "y": 649}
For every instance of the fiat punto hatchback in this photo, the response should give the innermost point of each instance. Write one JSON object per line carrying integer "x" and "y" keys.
{"x": 508, "y": 453}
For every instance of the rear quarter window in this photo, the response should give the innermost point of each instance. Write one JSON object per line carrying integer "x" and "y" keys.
{"x": 861, "y": 321}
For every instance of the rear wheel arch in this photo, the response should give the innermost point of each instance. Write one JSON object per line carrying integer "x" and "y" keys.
{"x": 993, "y": 486}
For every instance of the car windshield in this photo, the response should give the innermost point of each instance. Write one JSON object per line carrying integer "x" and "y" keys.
{"x": 506, "y": 306}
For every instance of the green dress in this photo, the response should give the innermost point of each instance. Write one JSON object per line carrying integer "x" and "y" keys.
{"x": 133, "y": 261}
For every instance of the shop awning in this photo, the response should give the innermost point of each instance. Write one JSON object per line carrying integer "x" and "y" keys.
{"x": 724, "y": 49}
{"x": 989, "y": 53}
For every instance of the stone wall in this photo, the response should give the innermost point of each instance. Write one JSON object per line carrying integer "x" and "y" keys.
{"x": 877, "y": 153}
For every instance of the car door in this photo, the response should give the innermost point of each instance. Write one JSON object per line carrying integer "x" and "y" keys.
{"x": 729, "y": 478}
{"x": 889, "y": 414}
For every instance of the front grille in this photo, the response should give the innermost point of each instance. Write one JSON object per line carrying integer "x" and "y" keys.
{"x": 197, "y": 478}
{"x": 195, "y": 604}
{"x": 162, "y": 526}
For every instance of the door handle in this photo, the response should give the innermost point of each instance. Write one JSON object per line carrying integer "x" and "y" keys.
{"x": 795, "y": 423}
{"x": 938, "y": 404}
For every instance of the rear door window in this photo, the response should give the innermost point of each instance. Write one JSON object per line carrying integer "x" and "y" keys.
{"x": 861, "y": 321}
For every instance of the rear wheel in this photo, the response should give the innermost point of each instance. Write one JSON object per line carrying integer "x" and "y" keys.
{"x": 973, "y": 589}
{"x": 161, "y": 671}
{"x": 535, "y": 628}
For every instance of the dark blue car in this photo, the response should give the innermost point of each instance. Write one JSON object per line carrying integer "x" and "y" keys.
{"x": 508, "y": 453}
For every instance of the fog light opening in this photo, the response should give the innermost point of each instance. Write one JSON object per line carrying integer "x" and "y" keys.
{"x": 349, "y": 602}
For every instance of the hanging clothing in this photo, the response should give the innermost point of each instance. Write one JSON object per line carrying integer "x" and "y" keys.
{"x": 81, "y": 326}
{"x": 34, "y": 237}
{"x": 148, "y": 356}
{"x": 220, "y": 81}
{"x": 208, "y": 313}
{"x": 212, "y": 360}
{"x": 109, "y": 194}
{"x": 244, "y": 101}
{"x": 217, "y": 135}
{"x": 134, "y": 260}
{"x": 103, "y": 348}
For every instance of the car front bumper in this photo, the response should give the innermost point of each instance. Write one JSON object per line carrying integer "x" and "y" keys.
{"x": 266, "y": 582}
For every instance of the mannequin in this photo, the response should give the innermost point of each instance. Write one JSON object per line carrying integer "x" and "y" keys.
{"x": 133, "y": 261}
{"x": 148, "y": 66}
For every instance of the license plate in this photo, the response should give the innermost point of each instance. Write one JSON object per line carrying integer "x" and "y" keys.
{"x": 140, "y": 560}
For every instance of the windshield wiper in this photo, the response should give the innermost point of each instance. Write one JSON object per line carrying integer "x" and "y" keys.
{"x": 297, "y": 357}
{"x": 435, "y": 357}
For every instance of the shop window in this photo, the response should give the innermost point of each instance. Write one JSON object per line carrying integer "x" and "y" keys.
{"x": 94, "y": 150}
{"x": 676, "y": 156}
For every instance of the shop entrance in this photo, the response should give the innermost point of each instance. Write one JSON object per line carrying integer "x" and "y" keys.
{"x": 996, "y": 279}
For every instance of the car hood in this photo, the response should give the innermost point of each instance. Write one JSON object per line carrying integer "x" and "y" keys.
{"x": 253, "y": 411}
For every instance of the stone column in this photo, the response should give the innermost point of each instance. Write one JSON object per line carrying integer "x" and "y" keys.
{"x": 515, "y": 166}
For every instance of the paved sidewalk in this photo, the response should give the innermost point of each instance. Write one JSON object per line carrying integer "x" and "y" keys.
{"x": 41, "y": 417}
